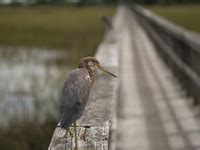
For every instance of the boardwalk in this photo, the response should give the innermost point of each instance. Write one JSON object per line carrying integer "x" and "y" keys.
{"x": 145, "y": 109}
{"x": 153, "y": 111}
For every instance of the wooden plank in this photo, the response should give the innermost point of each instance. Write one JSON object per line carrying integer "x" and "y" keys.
{"x": 96, "y": 137}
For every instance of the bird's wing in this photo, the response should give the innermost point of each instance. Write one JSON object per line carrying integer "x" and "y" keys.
{"x": 74, "y": 97}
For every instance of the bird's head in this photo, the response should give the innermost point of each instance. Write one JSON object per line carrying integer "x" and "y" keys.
{"x": 93, "y": 64}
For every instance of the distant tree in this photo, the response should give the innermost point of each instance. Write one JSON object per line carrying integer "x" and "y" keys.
{"x": 110, "y": 1}
{"x": 145, "y": 1}
{"x": 40, "y": 1}
{"x": 50, "y": 1}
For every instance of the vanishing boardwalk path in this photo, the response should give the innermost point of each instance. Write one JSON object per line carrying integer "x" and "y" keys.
{"x": 153, "y": 112}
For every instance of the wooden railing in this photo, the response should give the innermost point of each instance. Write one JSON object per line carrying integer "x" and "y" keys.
{"x": 179, "y": 48}
{"x": 98, "y": 120}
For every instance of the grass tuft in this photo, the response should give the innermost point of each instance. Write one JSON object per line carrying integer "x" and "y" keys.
{"x": 184, "y": 15}
{"x": 78, "y": 30}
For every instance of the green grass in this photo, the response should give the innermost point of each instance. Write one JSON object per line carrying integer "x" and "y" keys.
{"x": 184, "y": 15}
{"x": 28, "y": 136}
{"x": 78, "y": 30}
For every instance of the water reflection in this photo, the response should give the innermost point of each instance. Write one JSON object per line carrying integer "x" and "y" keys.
{"x": 30, "y": 81}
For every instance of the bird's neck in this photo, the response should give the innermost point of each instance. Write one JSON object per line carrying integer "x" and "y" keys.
{"x": 91, "y": 74}
{"x": 89, "y": 70}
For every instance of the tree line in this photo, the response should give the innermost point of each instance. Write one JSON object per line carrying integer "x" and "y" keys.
{"x": 88, "y": 2}
{"x": 166, "y": 1}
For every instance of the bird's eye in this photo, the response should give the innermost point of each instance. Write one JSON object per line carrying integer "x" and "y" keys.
{"x": 90, "y": 63}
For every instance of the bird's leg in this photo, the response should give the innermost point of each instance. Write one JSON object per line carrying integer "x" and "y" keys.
{"x": 65, "y": 135}
{"x": 83, "y": 136}
{"x": 70, "y": 133}
{"x": 75, "y": 134}
{"x": 71, "y": 136}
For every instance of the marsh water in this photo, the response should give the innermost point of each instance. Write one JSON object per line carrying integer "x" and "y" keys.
{"x": 30, "y": 83}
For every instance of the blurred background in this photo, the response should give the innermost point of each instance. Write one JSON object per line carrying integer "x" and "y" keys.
{"x": 40, "y": 41}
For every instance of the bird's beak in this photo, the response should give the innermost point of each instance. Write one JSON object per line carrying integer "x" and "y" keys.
{"x": 104, "y": 70}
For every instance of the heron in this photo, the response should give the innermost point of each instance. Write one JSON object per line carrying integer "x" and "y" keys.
{"x": 76, "y": 91}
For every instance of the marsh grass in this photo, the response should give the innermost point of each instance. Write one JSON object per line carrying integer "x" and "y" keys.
{"x": 28, "y": 136}
{"x": 77, "y": 30}
{"x": 184, "y": 15}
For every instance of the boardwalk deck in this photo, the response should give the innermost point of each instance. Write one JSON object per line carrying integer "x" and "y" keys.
{"x": 154, "y": 112}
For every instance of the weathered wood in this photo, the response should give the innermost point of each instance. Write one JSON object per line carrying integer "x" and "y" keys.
{"x": 100, "y": 110}
{"x": 154, "y": 112}
{"x": 175, "y": 30}
{"x": 173, "y": 56}
{"x": 178, "y": 47}
{"x": 96, "y": 137}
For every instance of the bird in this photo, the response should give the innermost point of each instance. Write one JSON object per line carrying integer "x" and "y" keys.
{"x": 75, "y": 92}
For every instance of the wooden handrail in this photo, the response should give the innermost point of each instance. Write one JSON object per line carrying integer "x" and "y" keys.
{"x": 178, "y": 47}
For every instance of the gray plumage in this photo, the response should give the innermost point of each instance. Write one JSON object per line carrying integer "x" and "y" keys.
{"x": 76, "y": 90}
{"x": 74, "y": 96}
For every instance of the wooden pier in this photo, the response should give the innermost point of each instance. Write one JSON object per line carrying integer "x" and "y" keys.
{"x": 147, "y": 107}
